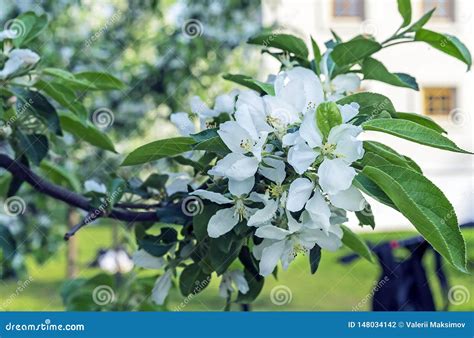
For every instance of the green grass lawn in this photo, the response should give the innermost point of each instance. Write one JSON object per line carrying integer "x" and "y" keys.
{"x": 334, "y": 287}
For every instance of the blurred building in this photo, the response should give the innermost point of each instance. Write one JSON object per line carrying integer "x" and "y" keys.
{"x": 446, "y": 89}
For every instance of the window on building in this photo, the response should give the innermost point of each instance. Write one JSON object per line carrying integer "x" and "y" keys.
{"x": 439, "y": 100}
{"x": 349, "y": 8}
{"x": 444, "y": 8}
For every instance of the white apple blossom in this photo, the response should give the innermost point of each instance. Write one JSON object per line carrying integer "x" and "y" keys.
{"x": 285, "y": 244}
{"x": 115, "y": 261}
{"x": 18, "y": 59}
{"x": 226, "y": 219}
{"x": 231, "y": 278}
{"x": 94, "y": 186}
{"x": 143, "y": 259}
{"x": 162, "y": 288}
{"x": 341, "y": 85}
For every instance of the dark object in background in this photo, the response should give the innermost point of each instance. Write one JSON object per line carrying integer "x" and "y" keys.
{"x": 404, "y": 283}
{"x": 406, "y": 287}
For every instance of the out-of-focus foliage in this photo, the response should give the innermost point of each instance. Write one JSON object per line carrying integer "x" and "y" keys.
{"x": 164, "y": 51}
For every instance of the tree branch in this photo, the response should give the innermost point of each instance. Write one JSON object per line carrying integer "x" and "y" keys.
{"x": 43, "y": 186}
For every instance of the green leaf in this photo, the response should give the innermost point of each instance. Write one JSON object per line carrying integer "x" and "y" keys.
{"x": 60, "y": 175}
{"x": 247, "y": 81}
{"x": 286, "y": 42}
{"x": 116, "y": 190}
{"x": 255, "y": 283}
{"x": 85, "y": 130}
{"x": 36, "y": 104}
{"x": 389, "y": 155}
{"x": 426, "y": 207}
{"x": 421, "y": 119}
{"x": 365, "y": 184}
{"x": 317, "y": 56}
{"x": 159, "y": 149}
{"x": 100, "y": 80}
{"x": 63, "y": 95}
{"x": 193, "y": 280}
{"x": 68, "y": 79}
{"x": 7, "y": 243}
{"x": 413, "y": 132}
{"x": 159, "y": 245}
{"x": 222, "y": 255}
{"x": 327, "y": 117}
{"x": 213, "y": 144}
{"x": 404, "y": 7}
{"x": 29, "y": 26}
{"x": 350, "y": 52}
{"x": 421, "y": 22}
{"x": 448, "y": 44}
{"x": 35, "y": 146}
{"x": 314, "y": 258}
{"x": 375, "y": 70}
{"x": 372, "y": 106}
{"x": 366, "y": 217}
{"x": 356, "y": 244}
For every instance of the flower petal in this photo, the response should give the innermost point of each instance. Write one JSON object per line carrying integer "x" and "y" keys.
{"x": 319, "y": 211}
{"x": 234, "y": 135}
{"x": 235, "y": 166}
{"x": 162, "y": 287}
{"x": 299, "y": 87}
{"x": 200, "y": 108}
{"x": 222, "y": 222}
{"x": 348, "y": 111}
{"x": 300, "y": 190}
{"x": 240, "y": 281}
{"x": 143, "y": 259}
{"x": 212, "y": 196}
{"x": 239, "y": 188}
{"x": 183, "y": 123}
{"x": 271, "y": 232}
{"x": 270, "y": 257}
{"x": 346, "y": 83}
{"x": 309, "y": 130}
{"x": 350, "y": 199}
{"x": 273, "y": 169}
{"x": 280, "y": 112}
{"x": 335, "y": 175}
{"x": 301, "y": 156}
{"x": 225, "y": 103}
{"x": 262, "y": 216}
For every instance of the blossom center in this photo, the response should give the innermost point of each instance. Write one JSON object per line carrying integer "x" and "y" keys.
{"x": 240, "y": 209}
{"x": 328, "y": 149}
{"x": 246, "y": 145}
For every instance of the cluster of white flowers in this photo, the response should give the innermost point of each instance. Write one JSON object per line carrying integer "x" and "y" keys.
{"x": 287, "y": 157}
